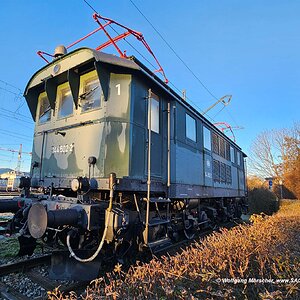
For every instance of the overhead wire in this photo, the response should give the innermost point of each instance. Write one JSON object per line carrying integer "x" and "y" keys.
{"x": 232, "y": 118}
{"x": 14, "y": 117}
{"x": 18, "y": 96}
{"x": 20, "y": 138}
{"x": 124, "y": 38}
{"x": 219, "y": 111}
{"x": 16, "y": 133}
{"x": 155, "y": 67}
{"x": 152, "y": 65}
{"x": 183, "y": 62}
{"x": 173, "y": 50}
{"x": 178, "y": 56}
{"x": 9, "y": 91}
{"x": 14, "y": 113}
{"x": 8, "y": 84}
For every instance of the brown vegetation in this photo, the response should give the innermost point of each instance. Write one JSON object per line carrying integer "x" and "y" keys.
{"x": 291, "y": 163}
{"x": 267, "y": 250}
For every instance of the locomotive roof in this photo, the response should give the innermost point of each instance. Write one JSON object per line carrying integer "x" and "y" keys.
{"x": 87, "y": 54}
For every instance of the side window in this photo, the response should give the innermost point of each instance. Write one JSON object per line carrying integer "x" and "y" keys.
{"x": 155, "y": 113}
{"x": 190, "y": 127}
{"x": 90, "y": 98}
{"x": 232, "y": 156}
{"x": 44, "y": 114}
{"x": 65, "y": 101}
{"x": 206, "y": 138}
{"x": 238, "y": 154}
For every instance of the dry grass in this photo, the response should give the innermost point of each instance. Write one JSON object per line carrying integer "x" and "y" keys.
{"x": 268, "y": 249}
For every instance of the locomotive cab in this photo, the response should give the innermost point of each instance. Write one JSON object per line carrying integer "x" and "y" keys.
{"x": 81, "y": 113}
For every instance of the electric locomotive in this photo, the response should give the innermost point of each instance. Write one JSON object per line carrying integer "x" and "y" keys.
{"x": 121, "y": 161}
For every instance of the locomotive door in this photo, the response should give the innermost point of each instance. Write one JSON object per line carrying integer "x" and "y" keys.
{"x": 154, "y": 120}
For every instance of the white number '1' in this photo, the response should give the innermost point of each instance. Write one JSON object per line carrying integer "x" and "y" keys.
{"x": 118, "y": 86}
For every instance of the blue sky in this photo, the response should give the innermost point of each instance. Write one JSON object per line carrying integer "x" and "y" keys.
{"x": 249, "y": 49}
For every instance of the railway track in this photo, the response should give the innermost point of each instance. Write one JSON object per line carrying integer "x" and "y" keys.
{"x": 27, "y": 269}
{"x": 22, "y": 266}
{"x": 4, "y": 194}
{"x": 4, "y": 224}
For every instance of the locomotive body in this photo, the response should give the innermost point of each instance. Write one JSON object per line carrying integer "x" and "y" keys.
{"x": 122, "y": 161}
{"x": 114, "y": 130}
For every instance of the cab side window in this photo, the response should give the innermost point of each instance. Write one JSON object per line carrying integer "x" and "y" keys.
{"x": 206, "y": 138}
{"x": 238, "y": 158}
{"x": 232, "y": 154}
{"x": 190, "y": 127}
{"x": 155, "y": 113}
{"x": 44, "y": 114}
{"x": 90, "y": 98}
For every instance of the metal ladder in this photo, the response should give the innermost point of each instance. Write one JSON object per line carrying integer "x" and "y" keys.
{"x": 158, "y": 221}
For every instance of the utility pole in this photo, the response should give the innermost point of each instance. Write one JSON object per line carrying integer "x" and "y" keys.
{"x": 18, "y": 168}
{"x": 20, "y": 152}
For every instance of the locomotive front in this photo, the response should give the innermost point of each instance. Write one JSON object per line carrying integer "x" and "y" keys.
{"x": 80, "y": 138}
{"x": 77, "y": 133}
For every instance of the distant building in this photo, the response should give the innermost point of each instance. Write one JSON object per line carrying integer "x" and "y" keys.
{"x": 10, "y": 180}
{"x": 3, "y": 184}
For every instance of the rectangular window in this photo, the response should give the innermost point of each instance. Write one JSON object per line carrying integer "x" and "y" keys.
{"x": 190, "y": 129}
{"x": 90, "y": 98}
{"x": 155, "y": 113}
{"x": 232, "y": 156}
{"x": 45, "y": 108}
{"x": 65, "y": 102}
{"x": 238, "y": 154}
{"x": 206, "y": 138}
{"x": 215, "y": 143}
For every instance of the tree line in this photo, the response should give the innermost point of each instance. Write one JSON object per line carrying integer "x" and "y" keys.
{"x": 276, "y": 154}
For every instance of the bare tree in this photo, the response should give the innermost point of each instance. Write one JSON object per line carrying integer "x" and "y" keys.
{"x": 291, "y": 161}
{"x": 266, "y": 154}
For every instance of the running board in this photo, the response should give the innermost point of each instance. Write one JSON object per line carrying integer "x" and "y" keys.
{"x": 160, "y": 245}
{"x": 160, "y": 200}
